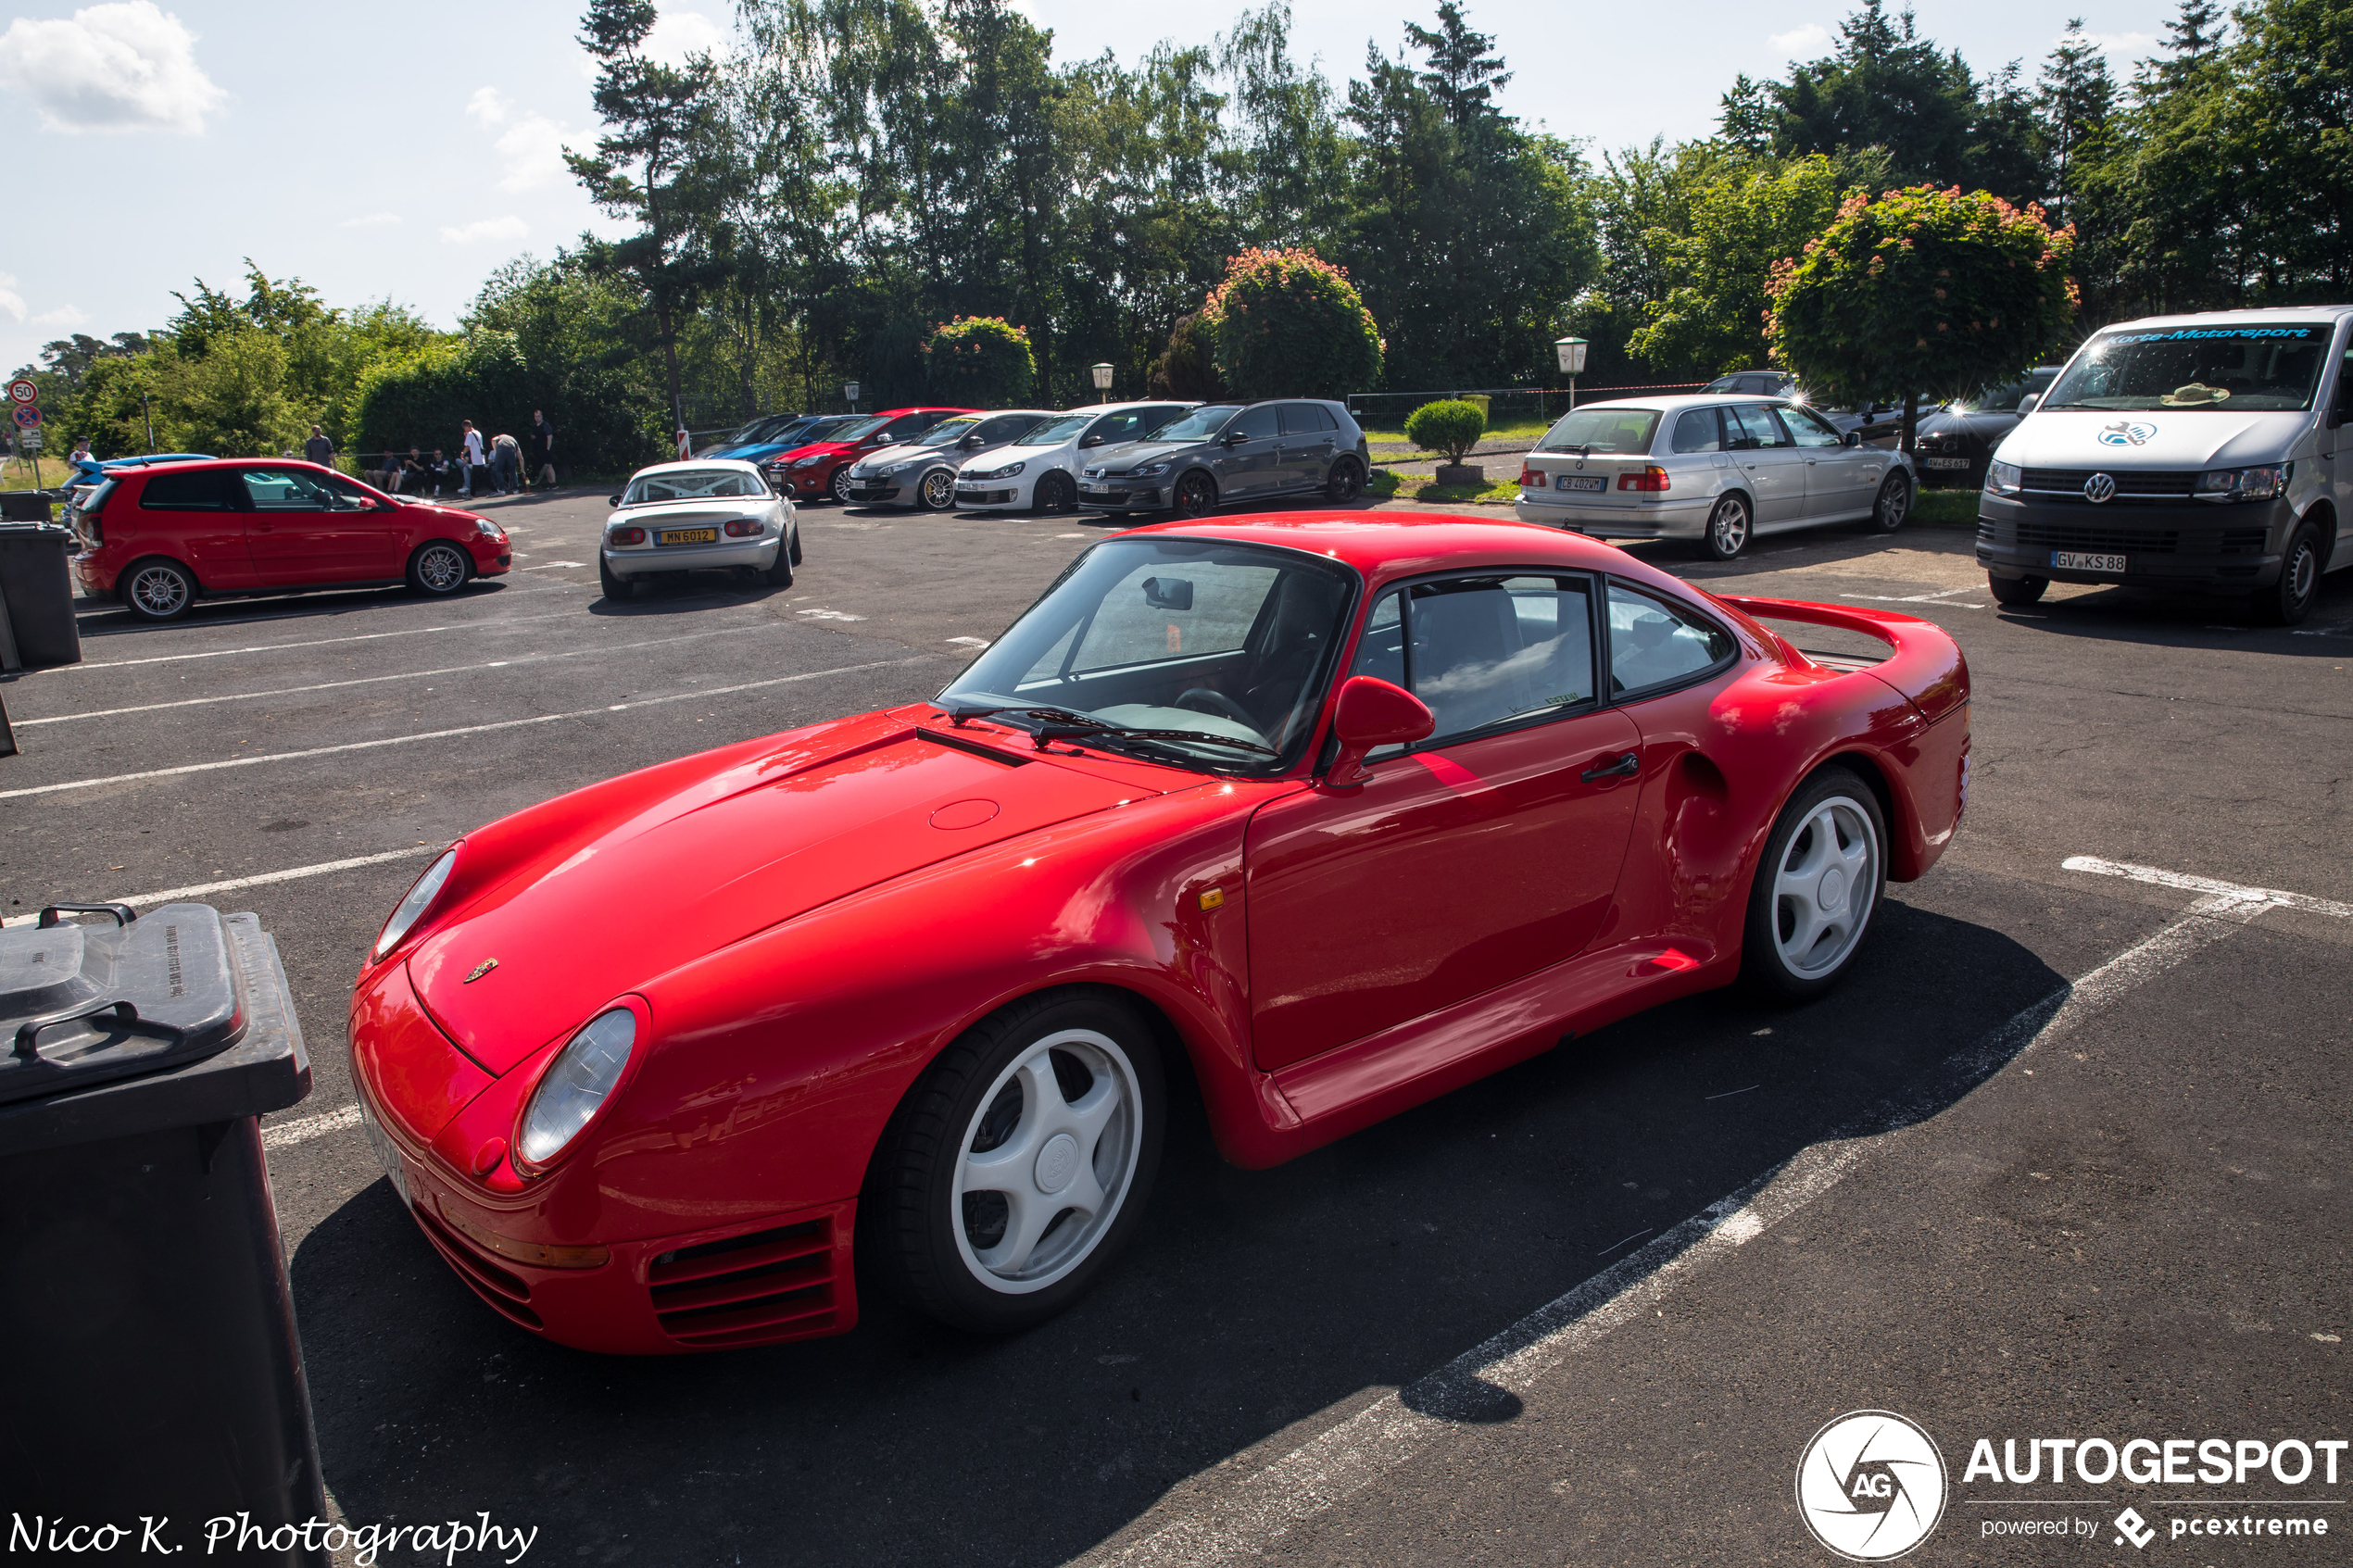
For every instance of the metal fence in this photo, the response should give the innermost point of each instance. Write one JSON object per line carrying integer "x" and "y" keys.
{"x": 1387, "y": 411}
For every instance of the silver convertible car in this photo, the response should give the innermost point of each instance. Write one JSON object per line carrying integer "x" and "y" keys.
{"x": 1715, "y": 470}
{"x": 704, "y": 514}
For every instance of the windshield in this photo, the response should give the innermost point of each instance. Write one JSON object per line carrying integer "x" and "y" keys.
{"x": 1602, "y": 429}
{"x": 856, "y": 428}
{"x": 1199, "y": 425}
{"x": 946, "y": 432}
{"x": 1053, "y": 433}
{"x": 691, "y": 484}
{"x": 2262, "y": 368}
{"x": 1167, "y": 634}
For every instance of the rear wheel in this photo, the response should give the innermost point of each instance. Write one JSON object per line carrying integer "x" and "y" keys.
{"x": 1346, "y": 484}
{"x": 1894, "y": 502}
{"x": 157, "y": 590}
{"x": 617, "y": 589}
{"x": 780, "y": 574}
{"x": 2016, "y": 590}
{"x": 1054, "y": 492}
{"x": 439, "y": 568}
{"x": 1728, "y": 529}
{"x": 1817, "y": 889}
{"x": 1019, "y": 1164}
{"x": 1196, "y": 494}
{"x": 2291, "y": 598}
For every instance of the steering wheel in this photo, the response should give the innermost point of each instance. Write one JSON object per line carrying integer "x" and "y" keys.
{"x": 1200, "y": 699}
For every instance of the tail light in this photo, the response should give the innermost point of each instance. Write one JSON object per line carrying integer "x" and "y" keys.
{"x": 742, "y": 528}
{"x": 1531, "y": 479}
{"x": 1648, "y": 477}
{"x": 628, "y": 535}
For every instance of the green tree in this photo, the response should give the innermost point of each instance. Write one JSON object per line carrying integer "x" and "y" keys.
{"x": 1922, "y": 291}
{"x": 1712, "y": 319}
{"x": 1452, "y": 425}
{"x": 980, "y": 361}
{"x": 234, "y": 401}
{"x": 2074, "y": 97}
{"x": 1289, "y": 325}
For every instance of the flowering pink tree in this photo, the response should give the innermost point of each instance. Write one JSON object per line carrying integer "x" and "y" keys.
{"x": 1288, "y": 323}
{"x": 980, "y": 361}
{"x": 1924, "y": 290}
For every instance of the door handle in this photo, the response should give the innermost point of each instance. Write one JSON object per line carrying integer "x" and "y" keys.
{"x": 1625, "y": 767}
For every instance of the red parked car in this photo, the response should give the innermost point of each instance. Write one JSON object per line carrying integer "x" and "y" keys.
{"x": 160, "y": 539}
{"x": 1331, "y": 812}
{"x": 822, "y": 469}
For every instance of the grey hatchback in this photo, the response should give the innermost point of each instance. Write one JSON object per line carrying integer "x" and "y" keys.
{"x": 1224, "y": 453}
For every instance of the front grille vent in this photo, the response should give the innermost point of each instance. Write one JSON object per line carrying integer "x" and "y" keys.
{"x": 775, "y": 1284}
{"x": 501, "y": 1287}
{"x": 2242, "y": 541}
{"x": 2068, "y": 483}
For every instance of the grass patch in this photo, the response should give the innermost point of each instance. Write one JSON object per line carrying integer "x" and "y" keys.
{"x": 1945, "y": 509}
{"x": 1509, "y": 430}
{"x": 1385, "y": 485}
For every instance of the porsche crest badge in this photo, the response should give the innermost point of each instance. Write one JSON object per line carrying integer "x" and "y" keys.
{"x": 485, "y": 967}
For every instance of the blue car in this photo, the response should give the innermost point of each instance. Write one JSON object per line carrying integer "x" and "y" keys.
{"x": 759, "y": 435}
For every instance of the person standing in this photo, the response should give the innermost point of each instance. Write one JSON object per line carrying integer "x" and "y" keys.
{"x": 319, "y": 449}
{"x": 470, "y": 456}
{"x": 542, "y": 449}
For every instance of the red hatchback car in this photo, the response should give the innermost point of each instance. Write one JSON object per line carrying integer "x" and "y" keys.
{"x": 822, "y": 469}
{"x": 1331, "y": 812}
{"x": 160, "y": 539}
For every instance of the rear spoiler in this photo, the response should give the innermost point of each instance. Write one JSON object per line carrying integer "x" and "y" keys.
{"x": 1925, "y": 664}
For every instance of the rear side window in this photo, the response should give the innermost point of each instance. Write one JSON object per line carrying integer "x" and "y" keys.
{"x": 1654, "y": 643}
{"x": 199, "y": 491}
{"x": 1306, "y": 418}
{"x": 1697, "y": 431}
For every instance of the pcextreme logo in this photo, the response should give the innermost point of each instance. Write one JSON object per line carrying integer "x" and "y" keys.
{"x": 1871, "y": 1485}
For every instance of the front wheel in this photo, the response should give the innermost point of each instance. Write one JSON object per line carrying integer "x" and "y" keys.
{"x": 1054, "y": 492}
{"x": 2291, "y": 598}
{"x": 1894, "y": 502}
{"x": 1196, "y": 494}
{"x": 439, "y": 569}
{"x": 937, "y": 490}
{"x": 1817, "y": 889}
{"x": 1018, "y": 1166}
{"x": 157, "y": 590}
{"x": 1727, "y": 528}
{"x": 2016, "y": 590}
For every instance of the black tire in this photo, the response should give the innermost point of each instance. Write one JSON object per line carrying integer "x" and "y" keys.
{"x": 2291, "y": 598}
{"x": 839, "y": 487}
{"x": 2016, "y": 590}
{"x": 438, "y": 569}
{"x": 1798, "y": 841}
{"x": 156, "y": 589}
{"x": 1347, "y": 482}
{"x": 1894, "y": 502}
{"x": 795, "y": 536}
{"x": 927, "y": 1241}
{"x": 1729, "y": 529}
{"x": 780, "y": 574}
{"x": 1053, "y": 493}
{"x": 618, "y": 589}
{"x": 1196, "y": 496}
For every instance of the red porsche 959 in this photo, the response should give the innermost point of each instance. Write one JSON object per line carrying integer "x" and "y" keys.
{"x": 1333, "y": 813}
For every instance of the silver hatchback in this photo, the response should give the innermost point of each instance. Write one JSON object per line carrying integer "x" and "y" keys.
{"x": 1715, "y": 470}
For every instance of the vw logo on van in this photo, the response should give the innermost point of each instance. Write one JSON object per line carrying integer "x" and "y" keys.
{"x": 2099, "y": 488}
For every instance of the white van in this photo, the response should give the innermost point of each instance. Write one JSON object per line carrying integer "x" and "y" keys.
{"x": 2201, "y": 452}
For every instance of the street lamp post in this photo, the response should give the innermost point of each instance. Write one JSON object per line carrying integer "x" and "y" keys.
{"x": 1102, "y": 381}
{"x": 850, "y": 395}
{"x": 1572, "y": 353}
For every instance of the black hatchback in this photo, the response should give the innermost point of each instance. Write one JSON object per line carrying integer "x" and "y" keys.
{"x": 1223, "y": 454}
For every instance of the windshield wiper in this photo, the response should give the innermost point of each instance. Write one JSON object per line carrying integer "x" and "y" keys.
{"x": 1061, "y": 723}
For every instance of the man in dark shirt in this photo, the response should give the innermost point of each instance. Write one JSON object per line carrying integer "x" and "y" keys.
{"x": 439, "y": 470}
{"x": 319, "y": 449}
{"x": 542, "y": 440}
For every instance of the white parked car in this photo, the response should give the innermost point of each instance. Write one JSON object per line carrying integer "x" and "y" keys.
{"x": 1040, "y": 471}
{"x": 705, "y": 513}
{"x": 922, "y": 472}
{"x": 1715, "y": 470}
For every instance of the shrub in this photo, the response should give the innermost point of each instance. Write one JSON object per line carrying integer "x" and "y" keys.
{"x": 980, "y": 361}
{"x": 1187, "y": 369}
{"x": 1288, "y": 323}
{"x": 1452, "y": 426}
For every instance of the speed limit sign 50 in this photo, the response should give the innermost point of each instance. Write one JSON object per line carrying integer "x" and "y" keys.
{"x": 22, "y": 391}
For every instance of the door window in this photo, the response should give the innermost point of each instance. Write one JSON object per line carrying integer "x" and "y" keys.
{"x": 1480, "y": 651}
{"x": 1255, "y": 424}
{"x": 2345, "y": 386}
{"x": 1654, "y": 643}
{"x": 1753, "y": 427}
{"x": 199, "y": 491}
{"x": 1697, "y": 431}
{"x": 1005, "y": 427}
{"x": 1808, "y": 427}
{"x": 287, "y": 490}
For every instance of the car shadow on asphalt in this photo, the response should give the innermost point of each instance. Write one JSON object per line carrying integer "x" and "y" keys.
{"x": 2151, "y": 618}
{"x": 103, "y": 617}
{"x": 704, "y": 590}
{"x": 1250, "y": 1301}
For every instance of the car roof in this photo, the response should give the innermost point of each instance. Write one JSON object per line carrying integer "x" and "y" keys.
{"x": 2270, "y": 317}
{"x": 749, "y": 467}
{"x": 1139, "y": 403}
{"x": 1688, "y": 400}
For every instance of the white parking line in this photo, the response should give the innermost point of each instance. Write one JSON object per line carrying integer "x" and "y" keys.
{"x": 2189, "y": 884}
{"x": 317, "y": 642}
{"x": 461, "y": 730}
{"x": 1943, "y": 595}
{"x": 374, "y": 679}
{"x": 295, "y": 873}
{"x": 309, "y": 1127}
{"x": 1352, "y": 1456}
{"x": 551, "y": 565}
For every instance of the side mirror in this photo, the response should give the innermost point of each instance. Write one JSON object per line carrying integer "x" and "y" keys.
{"x": 2029, "y": 403}
{"x": 969, "y": 443}
{"x": 1169, "y": 593}
{"x": 1371, "y": 714}
{"x": 612, "y": 500}
{"x": 1851, "y": 438}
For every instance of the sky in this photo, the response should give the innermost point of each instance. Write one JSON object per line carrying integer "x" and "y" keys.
{"x": 405, "y": 154}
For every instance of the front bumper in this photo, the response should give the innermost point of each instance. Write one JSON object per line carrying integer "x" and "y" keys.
{"x": 809, "y": 483}
{"x": 2196, "y": 546}
{"x": 1672, "y": 519}
{"x": 641, "y": 561}
{"x": 871, "y": 491}
{"x": 1120, "y": 495}
{"x": 989, "y": 495}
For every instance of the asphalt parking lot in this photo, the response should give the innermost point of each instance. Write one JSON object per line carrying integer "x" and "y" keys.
{"x": 2064, "y": 1158}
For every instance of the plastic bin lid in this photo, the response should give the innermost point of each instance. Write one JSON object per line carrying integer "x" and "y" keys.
{"x": 81, "y": 1005}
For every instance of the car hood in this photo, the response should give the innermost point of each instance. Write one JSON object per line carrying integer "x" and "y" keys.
{"x": 718, "y": 857}
{"x": 1119, "y": 459}
{"x": 434, "y": 509}
{"x": 2156, "y": 438}
{"x": 905, "y": 452}
{"x": 820, "y": 449}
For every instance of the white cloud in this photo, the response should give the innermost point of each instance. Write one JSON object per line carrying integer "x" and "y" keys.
{"x": 63, "y": 315}
{"x": 677, "y": 34}
{"x": 2132, "y": 46}
{"x": 123, "y": 66}
{"x": 1800, "y": 41}
{"x": 507, "y": 227}
{"x": 373, "y": 221}
{"x": 530, "y": 145}
{"x": 11, "y": 302}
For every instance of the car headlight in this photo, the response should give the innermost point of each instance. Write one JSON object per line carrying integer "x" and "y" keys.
{"x": 2004, "y": 479}
{"x": 575, "y": 1083}
{"x": 415, "y": 902}
{"x": 1011, "y": 470}
{"x": 487, "y": 529}
{"x": 2243, "y": 484}
{"x": 807, "y": 462}
{"x": 1150, "y": 470}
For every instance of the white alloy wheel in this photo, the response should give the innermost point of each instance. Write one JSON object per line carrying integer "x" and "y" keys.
{"x": 1046, "y": 1162}
{"x": 1727, "y": 533}
{"x": 439, "y": 568}
{"x": 1827, "y": 880}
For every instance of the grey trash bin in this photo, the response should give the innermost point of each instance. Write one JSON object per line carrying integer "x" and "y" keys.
{"x": 26, "y": 506}
{"x": 36, "y": 587}
{"x": 155, "y": 1368}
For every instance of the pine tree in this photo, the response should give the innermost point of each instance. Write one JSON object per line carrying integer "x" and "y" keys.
{"x": 2074, "y": 97}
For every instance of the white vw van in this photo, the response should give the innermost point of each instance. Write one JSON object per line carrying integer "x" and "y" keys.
{"x": 2201, "y": 452}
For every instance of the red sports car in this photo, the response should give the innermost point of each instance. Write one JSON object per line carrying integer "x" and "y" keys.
{"x": 822, "y": 468}
{"x": 1332, "y": 812}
